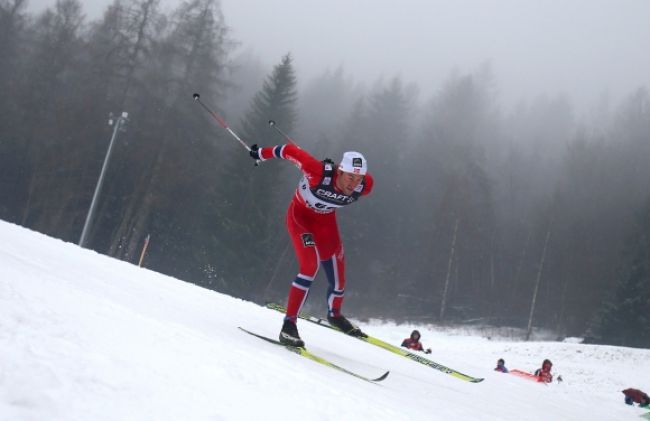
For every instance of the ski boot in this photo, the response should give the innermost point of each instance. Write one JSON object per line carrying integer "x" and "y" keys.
{"x": 289, "y": 335}
{"x": 344, "y": 325}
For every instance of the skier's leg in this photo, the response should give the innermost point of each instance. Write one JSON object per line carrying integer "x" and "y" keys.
{"x": 307, "y": 255}
{"x": 335, "y": 270}
{"x": 329, "y": 245}
{"x": 330, "y": 250}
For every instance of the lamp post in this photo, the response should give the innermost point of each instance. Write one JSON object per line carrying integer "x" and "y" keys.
{"x": 119, "y": 125}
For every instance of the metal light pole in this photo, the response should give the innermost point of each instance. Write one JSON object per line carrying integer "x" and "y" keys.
{"x": 119, "y": 126}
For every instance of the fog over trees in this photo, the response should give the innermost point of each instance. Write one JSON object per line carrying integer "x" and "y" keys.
{"x": 482, "y": 212}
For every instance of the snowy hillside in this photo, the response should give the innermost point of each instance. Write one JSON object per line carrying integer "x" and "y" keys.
{"x": 86, "y": 337}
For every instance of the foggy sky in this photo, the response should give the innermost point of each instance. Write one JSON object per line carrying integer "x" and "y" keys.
{"x": 583, "y": 48}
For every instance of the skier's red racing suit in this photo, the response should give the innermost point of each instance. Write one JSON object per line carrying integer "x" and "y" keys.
{"x": 311, "y": 222}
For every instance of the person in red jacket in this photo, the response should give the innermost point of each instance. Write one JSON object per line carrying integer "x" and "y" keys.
{"x": 636, "y": 395}
{"x": 413, "y": 342}
{"x": 311, "y": 223}
{"x": 544, "y": 373}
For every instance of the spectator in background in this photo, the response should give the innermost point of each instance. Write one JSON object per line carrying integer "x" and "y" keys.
{"x": 501, "y": 366}
{"x": 636, "y": 395}
{"x": 544, "y": 373}
{"x": 413, "y": 342}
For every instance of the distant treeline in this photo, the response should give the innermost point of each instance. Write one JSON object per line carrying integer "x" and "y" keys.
{"x": 479, "y": 213}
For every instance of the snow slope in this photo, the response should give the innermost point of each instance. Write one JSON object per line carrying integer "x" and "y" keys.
{"x": 87, "y": 337}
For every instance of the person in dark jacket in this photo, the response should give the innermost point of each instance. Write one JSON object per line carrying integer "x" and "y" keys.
{"x": 501, "y": 366}
{"x": 636, "y": 395}
{"x": 413, "y": 342}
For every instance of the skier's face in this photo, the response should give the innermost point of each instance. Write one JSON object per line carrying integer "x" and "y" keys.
{"x": 347, "y": 181}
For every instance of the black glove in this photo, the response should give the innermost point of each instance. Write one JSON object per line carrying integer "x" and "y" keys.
{"x": 255, "y": 152}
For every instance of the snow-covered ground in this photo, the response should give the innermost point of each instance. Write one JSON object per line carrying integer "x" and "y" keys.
{"x": 87, "y": 337}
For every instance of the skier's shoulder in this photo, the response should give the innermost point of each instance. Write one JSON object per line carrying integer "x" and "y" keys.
{"x": 368, "y": 184}
{"x": 306, "y": 162}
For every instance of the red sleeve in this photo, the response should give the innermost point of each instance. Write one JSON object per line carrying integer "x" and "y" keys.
{"x": 310, "y": 166}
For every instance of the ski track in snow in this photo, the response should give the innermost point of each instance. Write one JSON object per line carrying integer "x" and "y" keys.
{"x": 87, "y": 337}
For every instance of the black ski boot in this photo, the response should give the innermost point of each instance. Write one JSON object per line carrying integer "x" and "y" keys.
{"x": 345, "y": 326}
{"x": 289, "y": 335}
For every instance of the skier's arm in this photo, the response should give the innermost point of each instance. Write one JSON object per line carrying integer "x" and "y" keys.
{"x": 301, "y": 158}
{"x": 310, "y": 166}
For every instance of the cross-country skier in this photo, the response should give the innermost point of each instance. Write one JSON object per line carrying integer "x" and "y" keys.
{"x": 413, "y": 342}
{"x": 311, "y": 223}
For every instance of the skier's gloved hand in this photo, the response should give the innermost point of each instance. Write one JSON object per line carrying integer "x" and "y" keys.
{"x": 255, "y": 152}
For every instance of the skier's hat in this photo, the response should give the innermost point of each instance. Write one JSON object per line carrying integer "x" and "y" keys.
{"x": 353, "y": 162}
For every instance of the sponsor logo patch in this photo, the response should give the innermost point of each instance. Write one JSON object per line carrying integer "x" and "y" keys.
{"x": 357, "y": 162}
{"x": 308, "y": 240}
{"x": 331, "y": 195}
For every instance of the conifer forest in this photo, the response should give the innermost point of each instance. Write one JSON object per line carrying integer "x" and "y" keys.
{"x": 481, "y": 213}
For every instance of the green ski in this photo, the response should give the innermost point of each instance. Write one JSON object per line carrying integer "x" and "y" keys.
{"x": 307, "y": 354}
{"x": 385, "y": 345}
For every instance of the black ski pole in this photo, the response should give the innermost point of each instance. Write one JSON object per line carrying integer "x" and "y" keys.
{"x": 277, "y": 129}
{"x": 222, "y": 123}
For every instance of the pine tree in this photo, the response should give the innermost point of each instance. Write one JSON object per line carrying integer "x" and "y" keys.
{"x": 379, "y": 128}
{"x": 256, "y": 219}
{"x": 12, "y": 27}
{"x": 451, "y": 154}
{"x": 176, "y": 159}
{"x": 625, "y": 320}
{"x": 325, "y": 104}
{"x": 276, "y": 101}
{"x": 14, "y": 153}
{"x": 48, "y": 102}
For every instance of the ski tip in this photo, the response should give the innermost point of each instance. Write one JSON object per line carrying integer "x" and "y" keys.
{"x": 477, "y": 380}
{"x": 246, "y": 330}
{"x": 382, "y": 377}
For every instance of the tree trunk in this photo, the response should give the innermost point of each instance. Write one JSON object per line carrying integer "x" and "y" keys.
{"x": 452, "y": 252}
{"x": 560, "y": 328}
{"x": 515, "y": 281}
{"x": 537, "y": 282}
{"x": 127, "y": 222}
